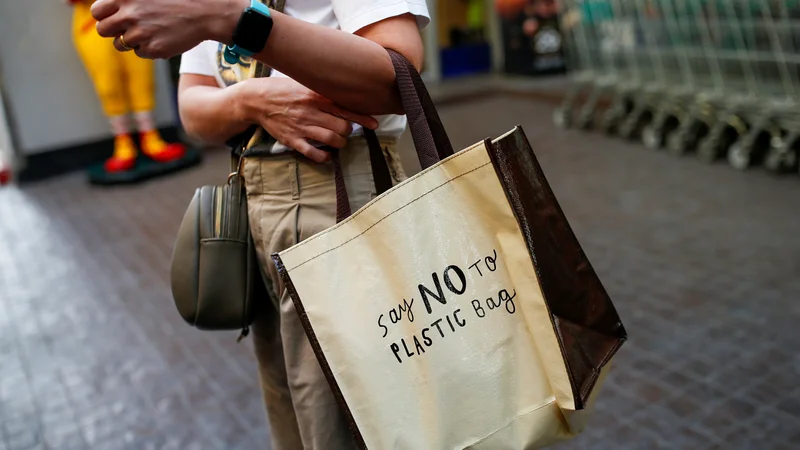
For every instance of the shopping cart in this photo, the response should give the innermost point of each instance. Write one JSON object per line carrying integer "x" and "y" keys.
{"x": 715, "y": 77}
{"x": 589, "y": 73}
{"x": 773, "y": 52}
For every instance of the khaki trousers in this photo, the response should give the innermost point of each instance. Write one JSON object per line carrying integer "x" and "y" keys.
{"x": 290, "y": 198}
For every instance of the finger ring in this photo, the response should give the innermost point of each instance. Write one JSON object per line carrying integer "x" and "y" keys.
{"x": 125, "y": 47}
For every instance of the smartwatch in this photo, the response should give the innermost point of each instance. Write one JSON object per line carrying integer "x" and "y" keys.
{"x": 251, "y": 33}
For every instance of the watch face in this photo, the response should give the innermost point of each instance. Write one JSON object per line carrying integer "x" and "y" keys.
{"x": 253, "y": 30}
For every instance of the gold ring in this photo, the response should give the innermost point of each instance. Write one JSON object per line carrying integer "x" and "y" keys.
{"x": 125, "y": 47}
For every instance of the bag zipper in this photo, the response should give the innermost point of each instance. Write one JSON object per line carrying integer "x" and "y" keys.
{"x": 224, "y": 222}
{"x": 234, "y": 198}
{"x": 217, "y": 212}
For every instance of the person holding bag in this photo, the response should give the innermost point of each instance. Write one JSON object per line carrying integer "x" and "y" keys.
{"x": 456, "y": 310}
{"x": 331, "y": 77}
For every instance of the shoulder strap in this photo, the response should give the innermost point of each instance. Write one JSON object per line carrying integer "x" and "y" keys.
{"x": 261, "y": 71}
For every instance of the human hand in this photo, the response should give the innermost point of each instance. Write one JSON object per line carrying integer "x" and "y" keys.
{"x": 166, "y": 28}
{"x": 295, "y": 115}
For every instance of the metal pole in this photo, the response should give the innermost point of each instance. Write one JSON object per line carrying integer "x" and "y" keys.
{"x": 433, "y": 64}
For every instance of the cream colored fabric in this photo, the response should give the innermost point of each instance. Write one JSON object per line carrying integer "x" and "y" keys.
{"x": 479, "y": 378}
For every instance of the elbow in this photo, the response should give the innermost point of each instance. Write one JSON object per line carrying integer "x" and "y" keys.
{"x": 401, "y": 34}
{"x": 189, "y": 125}
{"x": 195, "y": 98}
{"x": 195, "y": 126}
{"x": 196, "y": 131}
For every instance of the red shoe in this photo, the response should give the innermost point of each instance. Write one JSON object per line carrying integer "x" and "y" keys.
{"x": 158, "y": 150}
{"x": 114, "y": 165}
{"x": 124, "y": 157}
{"x": 171, "y": 152}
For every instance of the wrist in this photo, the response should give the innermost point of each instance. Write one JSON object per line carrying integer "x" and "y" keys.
{"x": 226, "y": 18}
{"x": 241, "y": 96}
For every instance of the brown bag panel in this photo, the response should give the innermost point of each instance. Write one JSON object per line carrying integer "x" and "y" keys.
{"x": 588, "y": 327}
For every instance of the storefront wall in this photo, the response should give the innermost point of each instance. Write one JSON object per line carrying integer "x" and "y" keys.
{"x": 467, "y": 37}
{"x": 463, "y": 38}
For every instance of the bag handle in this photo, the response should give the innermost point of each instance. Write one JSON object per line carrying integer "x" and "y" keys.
{"x": 380, "y": 174}
{"x": 430, "y": 138}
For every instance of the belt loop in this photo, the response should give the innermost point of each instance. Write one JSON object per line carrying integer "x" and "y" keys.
{"x": 294, "y": 178}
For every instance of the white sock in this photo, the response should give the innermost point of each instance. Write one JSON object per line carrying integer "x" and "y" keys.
{"x": 144, "y": 121}
{"x": 119, "y": 125}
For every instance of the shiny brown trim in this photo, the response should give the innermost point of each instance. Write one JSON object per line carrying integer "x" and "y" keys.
{"x": 323, "y": 362}
{"x": 587, "y": 325}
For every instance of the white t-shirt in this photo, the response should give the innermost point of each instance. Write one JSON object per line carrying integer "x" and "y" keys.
{"x": 346, "y": 15}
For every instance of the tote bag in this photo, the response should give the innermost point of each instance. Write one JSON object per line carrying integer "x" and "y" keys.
{"x": 456, "y": 310}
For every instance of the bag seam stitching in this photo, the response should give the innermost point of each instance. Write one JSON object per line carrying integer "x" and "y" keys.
{"x": 221, "y": 239}
{"x": 429, "y": 169}
{"x": 389, "y": 215}
{"x": 199, "y": 260}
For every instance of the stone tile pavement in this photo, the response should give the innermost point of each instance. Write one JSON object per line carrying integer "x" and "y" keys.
{"x": 703, "y": 263}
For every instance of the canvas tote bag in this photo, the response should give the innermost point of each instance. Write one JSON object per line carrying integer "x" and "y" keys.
{"x": 456, "y": 310}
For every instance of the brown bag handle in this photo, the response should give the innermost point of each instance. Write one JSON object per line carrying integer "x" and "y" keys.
{"x": 430, "y": 138}
{"x": 380, "y": 174}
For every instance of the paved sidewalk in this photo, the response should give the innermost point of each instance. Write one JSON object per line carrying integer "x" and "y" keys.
{"x": 703, "y": 263}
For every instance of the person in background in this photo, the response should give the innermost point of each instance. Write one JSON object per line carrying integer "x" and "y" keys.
{"x": 331, "y": 77}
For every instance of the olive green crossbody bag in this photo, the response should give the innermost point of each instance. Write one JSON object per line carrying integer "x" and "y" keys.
{"x": 215, "y": 276}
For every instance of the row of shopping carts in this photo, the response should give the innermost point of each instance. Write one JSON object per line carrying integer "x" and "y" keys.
{"x": 718, "y": 78}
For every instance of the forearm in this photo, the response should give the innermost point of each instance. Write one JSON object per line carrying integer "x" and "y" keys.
{"x": 211, "y": 113}
{"x": 352, "y": 71}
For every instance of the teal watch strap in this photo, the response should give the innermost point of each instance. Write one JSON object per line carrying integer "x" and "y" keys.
{"x": 234, "y": 53}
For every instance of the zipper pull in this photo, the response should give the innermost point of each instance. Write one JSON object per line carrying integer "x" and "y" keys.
{"x": 245, "y": 332}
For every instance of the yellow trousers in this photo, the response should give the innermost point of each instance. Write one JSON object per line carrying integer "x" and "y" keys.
{"x": 123, "y": 81}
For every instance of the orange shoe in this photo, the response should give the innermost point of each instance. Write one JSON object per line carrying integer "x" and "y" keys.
{"x": 124, "y": 157}
{"x": 158, "y": 150}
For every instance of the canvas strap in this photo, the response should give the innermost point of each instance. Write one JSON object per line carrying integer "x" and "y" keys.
{"x": 430, "y": 138}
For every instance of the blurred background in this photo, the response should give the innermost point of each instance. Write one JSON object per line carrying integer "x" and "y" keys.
{"x": 667, "y": 128}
